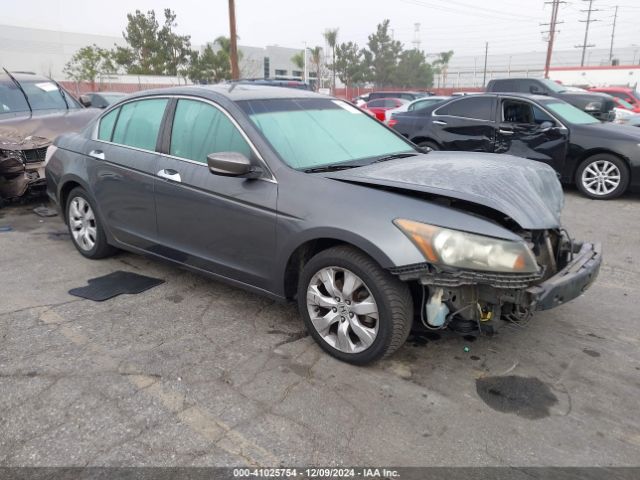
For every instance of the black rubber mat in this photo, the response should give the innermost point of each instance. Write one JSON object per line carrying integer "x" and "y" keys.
{"x": 113, "y": 284}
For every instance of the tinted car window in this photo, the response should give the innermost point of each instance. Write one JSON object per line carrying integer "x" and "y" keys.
{"x": 105, "y": 131}
{"x": 377, "y": 103}
{"x": 200, "y": 129}
{"x": 139, "y": 123}
{"x": 479, "y": 108}
{"x": 11, "y": 98}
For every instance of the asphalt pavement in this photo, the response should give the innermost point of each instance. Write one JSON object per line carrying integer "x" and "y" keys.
{"x": 194, "y": 372}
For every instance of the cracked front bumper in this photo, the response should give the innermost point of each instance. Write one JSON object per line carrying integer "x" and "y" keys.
{"x": 570, "y": 282}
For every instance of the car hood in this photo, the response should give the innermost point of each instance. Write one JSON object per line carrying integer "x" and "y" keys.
{"x": 610, "y": 130}
{"x": 584, "y": 97}
{"x": 528, "y": 192}
{"x": 22, "y": 130}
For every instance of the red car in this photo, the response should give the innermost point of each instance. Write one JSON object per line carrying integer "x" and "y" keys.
{"x": 379, "y": 106}
{"x": 627, "y": 94}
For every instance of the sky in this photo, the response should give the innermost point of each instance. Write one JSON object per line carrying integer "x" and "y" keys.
{"x": 459, "y": 25}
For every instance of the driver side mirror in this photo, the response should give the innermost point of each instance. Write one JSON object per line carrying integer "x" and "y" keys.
{"x": 546, "y": 126}
{"x": 85, "y": 100}
{"x": 232, "y": 164}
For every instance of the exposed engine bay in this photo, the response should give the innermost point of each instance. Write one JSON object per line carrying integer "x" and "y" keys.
{"x": 471, "y": 302}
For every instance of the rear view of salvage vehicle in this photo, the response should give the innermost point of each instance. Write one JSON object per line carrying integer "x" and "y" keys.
{"x": 300, "y": 196}
{"x": 33, "y": 111}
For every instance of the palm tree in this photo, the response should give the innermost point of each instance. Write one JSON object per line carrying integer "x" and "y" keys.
{"x": 316, "y": 61}
{"x": 442, "y": 64}
{"x": 331, "y": 36}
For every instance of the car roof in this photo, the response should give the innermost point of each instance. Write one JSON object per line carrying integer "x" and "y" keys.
{"x": 234, "y": 92}
{"x": 26, "y": 77}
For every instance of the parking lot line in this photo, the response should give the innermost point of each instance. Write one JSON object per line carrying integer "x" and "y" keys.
{"x": 198, "y": 420}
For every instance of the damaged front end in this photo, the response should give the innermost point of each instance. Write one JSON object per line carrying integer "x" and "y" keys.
{"x": 22, "y": 163}
{"x": 471, "y": 301}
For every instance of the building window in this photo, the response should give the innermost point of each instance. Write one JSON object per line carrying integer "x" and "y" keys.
{"x": 266, "y": 67}
{"x": 296, "y": 73}
{"x": 313, "y": 75}
{"x": 281, "y": 73}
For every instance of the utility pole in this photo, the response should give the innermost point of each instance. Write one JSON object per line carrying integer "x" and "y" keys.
{"x": 555, "y": 5}
{"x": 613, "y": 34}
{"x": 588, "y": 22}
{"x": 233, "y": 53}
{"x": 486, "y": 52}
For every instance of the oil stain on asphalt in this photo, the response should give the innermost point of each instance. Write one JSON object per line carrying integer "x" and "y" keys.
{"x": 527, "y": 397}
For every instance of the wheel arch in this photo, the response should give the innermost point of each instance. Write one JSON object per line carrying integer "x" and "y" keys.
{"x": 65, "y": 189}
{"x": 595, "y": 151}
{"x": 308, "y": 248}
{"x": 422, "y": 138}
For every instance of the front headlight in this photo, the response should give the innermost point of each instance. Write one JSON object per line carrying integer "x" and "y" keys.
{"x": 593, "y": 107}
{"x": 467, "y": 250}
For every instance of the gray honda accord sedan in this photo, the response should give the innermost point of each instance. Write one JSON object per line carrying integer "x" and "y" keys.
{"x": 296, "y": 195}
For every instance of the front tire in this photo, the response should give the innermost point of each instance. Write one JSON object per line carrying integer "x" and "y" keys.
{"x": 355, "y": 310}
{"x": 85, "y": 228}
{"x": 602, "y": 176}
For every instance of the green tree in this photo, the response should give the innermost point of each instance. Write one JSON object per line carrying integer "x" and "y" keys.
{"x": 211, "y": 66}
{"x": 413, "y": 70}
{"x": 441, "y": 64}
{"x": 331, "y": 36}
{"x": 152, "y": 49}
{"x": 87, "y": 63}
{"x": 349, "y": 64}
{"x": 382, "y": 56}
{"x": 175, "y": 48}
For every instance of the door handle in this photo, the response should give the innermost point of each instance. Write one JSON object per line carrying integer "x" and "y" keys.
{"x": 169, "y": 174}
{"x": 505, "y": 132}
{"x": 439, "y": 122}
{"x": 97, "y": 154}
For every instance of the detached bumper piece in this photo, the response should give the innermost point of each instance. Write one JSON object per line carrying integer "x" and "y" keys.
{"x": 570, "y": 282}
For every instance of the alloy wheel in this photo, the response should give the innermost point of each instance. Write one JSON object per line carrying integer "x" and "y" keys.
{"x": 342, "y": 309}
{"x": 82, "y": 223}
{"x": 601, "y": 177}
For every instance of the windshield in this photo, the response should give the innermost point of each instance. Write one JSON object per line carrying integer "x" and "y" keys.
{"x": 43, "y": 95}
{"x": 553, "y": 86}
{"x": 570, "y": 113}
{"x": 624, "y": 103}
{"x": 316, "y": 132}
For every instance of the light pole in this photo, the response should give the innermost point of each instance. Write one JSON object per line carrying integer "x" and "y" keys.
{"x": 306, "y": 79}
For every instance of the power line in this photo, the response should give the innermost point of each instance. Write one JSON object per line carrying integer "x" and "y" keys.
{"x": 587, "y": 22}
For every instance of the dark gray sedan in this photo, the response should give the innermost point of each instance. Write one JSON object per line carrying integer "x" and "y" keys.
{"x": 292, "y": 194}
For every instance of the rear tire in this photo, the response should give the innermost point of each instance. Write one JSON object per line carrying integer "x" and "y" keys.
{"x": 85, "y": 227}
{"x": 429, "y": 145}
{"x": 602, "y": 176}
{"x": 364, "y": 315}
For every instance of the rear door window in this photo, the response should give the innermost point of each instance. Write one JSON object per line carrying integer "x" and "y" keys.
{"x": 105, "y": 130}
{"x": 200, "y": 129}
{"x": 472, "y": 107}
{"x": 139, "y": 123}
